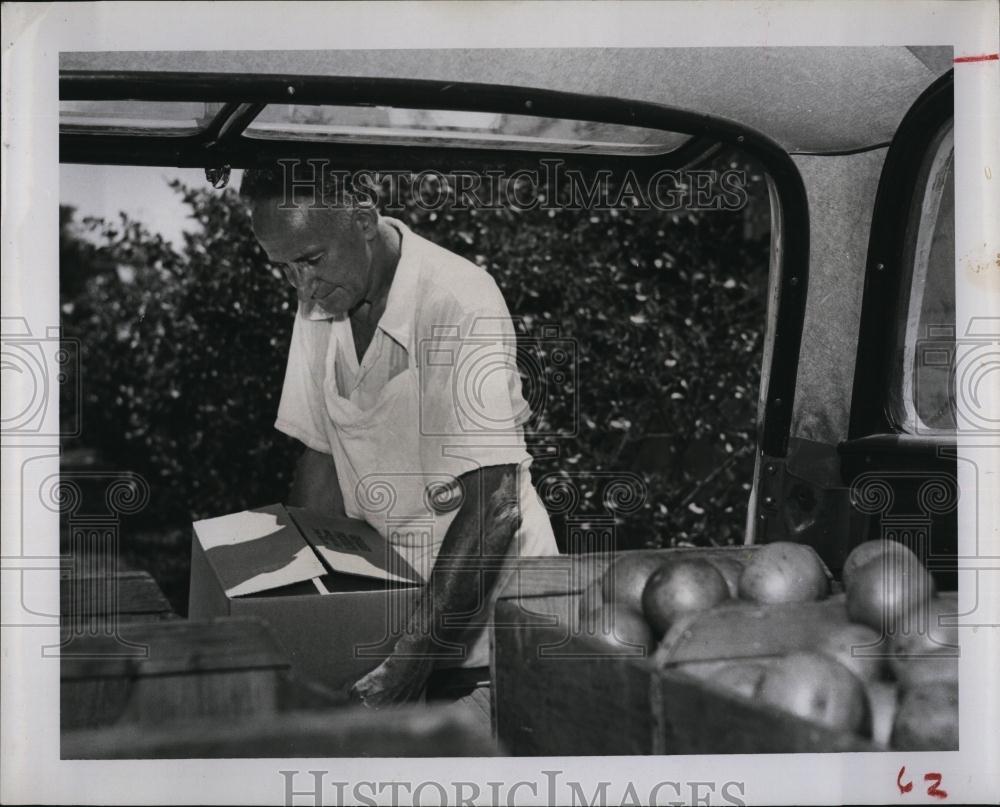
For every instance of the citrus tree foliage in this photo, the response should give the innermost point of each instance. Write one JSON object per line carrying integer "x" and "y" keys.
{"x": 183, "y": 351}
{"x": 181, "y": 362}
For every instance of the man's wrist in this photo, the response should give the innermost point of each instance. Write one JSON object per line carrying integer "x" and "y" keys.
{"x": 412, "y": 647}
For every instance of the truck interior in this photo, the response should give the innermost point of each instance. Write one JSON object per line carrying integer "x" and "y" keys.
{"x": 858, "y": 361}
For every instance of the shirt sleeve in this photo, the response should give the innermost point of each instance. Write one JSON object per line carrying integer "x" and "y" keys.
{"x": 302, "y": 409}
{"x": 471, "y": 406}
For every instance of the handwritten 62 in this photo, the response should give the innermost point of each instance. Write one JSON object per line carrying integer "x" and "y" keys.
{"x": 932, "y": 778}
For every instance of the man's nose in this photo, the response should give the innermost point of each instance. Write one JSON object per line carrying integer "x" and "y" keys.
{"x": 300, "y": 277}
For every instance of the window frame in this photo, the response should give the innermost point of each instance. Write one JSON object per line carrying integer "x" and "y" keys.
{"x": 223, "y": 143}
{"x": 938, "y": 162}
{"x": 875, "y": 405}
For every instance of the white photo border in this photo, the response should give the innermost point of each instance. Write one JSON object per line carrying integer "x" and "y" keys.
{"x": 35, "y": 34}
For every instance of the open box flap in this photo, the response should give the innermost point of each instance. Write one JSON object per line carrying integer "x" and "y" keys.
{"x": 351, "y": 546}
{"x": 257, "y": 550}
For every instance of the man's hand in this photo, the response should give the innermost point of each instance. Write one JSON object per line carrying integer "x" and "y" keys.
{"x": 396, "y": 680}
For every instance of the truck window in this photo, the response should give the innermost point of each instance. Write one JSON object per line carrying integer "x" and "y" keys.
{"x": 925, "y": 398}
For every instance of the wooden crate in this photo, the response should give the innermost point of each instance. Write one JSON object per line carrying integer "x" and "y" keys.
{"x": 412, "y": 731}
{"x": 557, "y": 692}
{"x": 572, "y": 573}
{"x": 150, "y": 672}
{"x": 125, "y": 596}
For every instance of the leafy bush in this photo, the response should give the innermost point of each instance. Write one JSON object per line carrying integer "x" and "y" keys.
{"x": 183, "y": 353}
{"x": 182, "y": 362}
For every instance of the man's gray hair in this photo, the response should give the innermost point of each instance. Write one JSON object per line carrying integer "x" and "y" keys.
{"x": 300, "y": 181}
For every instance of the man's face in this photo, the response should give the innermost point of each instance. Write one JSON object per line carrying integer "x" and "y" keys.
{"x": 325, "y": 253}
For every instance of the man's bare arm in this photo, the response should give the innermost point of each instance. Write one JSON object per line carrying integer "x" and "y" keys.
{"x": 316, "y": 485}
{"x": 473, "y": 547}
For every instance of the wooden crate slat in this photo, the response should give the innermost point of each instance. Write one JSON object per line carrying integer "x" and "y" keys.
{"x": 179, "y": 646}
{"x": 221, "y": 668}
{"x": 696, "y": 718}
{"x": 234, "y": 693}
{"x": 137, "y": 593}
{"x": 533, "y": 577}
{"x": 415, "y": 731}
{"x": 91, "y": 603}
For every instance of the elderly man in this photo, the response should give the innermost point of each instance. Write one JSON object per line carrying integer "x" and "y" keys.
{"x": 401, "y": 384}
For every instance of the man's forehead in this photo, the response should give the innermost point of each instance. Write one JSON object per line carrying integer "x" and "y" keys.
{"x": 284, "y": 231}
{"x": 274, "y": 213}
{"x": 272, "y": 218}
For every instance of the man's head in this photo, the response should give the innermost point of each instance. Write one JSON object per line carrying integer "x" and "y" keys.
{"x": 323, "y": 238}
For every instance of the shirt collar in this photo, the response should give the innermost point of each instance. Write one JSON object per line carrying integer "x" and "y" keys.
{"x": 398, "y": 318}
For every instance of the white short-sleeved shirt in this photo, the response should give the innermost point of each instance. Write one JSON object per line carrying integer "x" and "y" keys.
{"x": 436, "y": 395}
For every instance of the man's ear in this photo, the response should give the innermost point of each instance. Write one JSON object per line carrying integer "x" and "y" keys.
{"x": 366, "y": 220}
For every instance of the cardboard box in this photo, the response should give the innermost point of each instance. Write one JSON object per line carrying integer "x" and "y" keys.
{"x": 558, "y": 693}
{"x": 334, "y": 593}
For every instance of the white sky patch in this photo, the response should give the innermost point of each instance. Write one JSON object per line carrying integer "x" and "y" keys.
{"x": 143, "y": 193}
